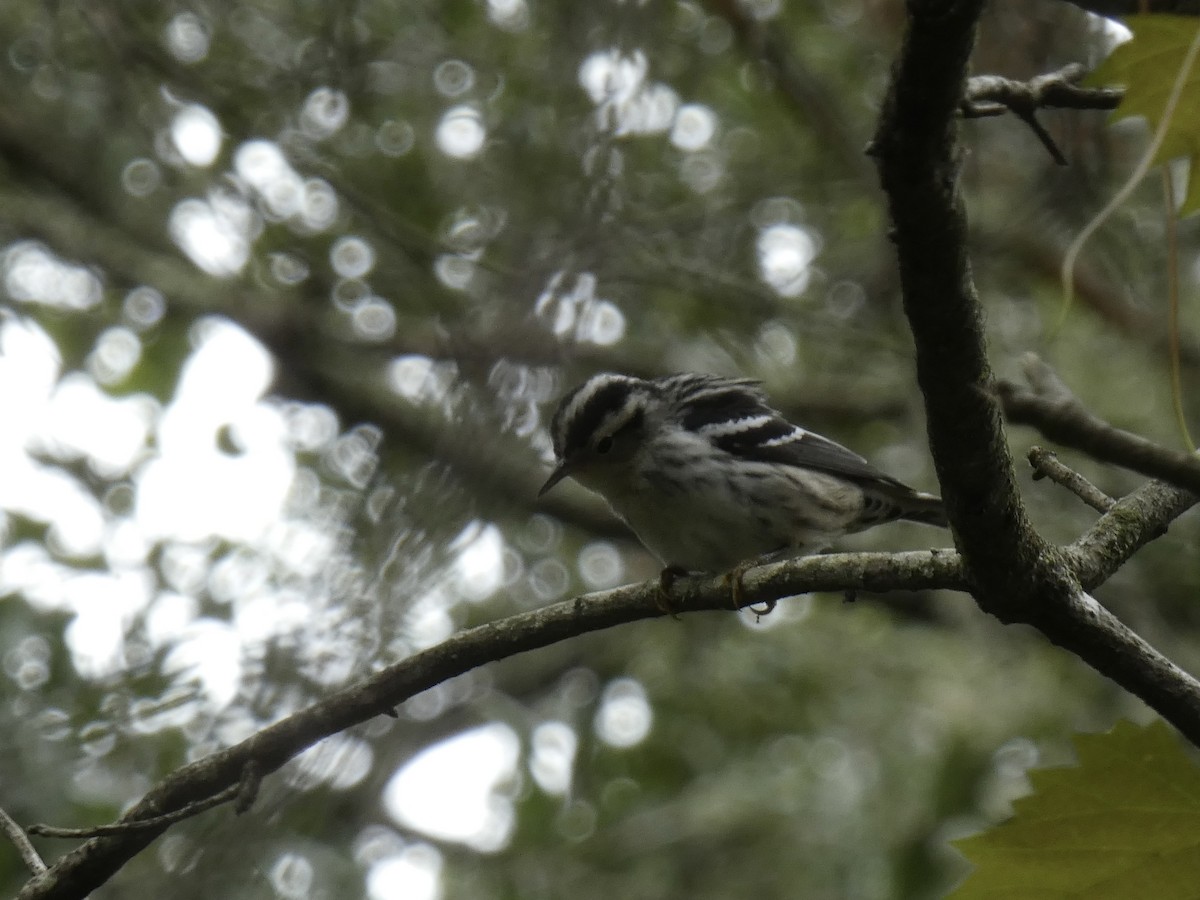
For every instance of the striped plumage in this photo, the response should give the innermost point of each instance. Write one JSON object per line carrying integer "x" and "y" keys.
{"x": 709, "y": 476}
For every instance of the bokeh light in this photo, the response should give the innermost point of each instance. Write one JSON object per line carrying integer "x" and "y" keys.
{"x": 450, "y": 790}
{"x": 624, "y": 717}
{"x": 461, "y": 132}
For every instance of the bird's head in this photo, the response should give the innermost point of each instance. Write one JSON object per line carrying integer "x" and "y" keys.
{"x": 597, "y": 429}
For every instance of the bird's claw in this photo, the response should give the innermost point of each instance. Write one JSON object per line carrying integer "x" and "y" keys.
{"x": 663, "y": 598}
{"x": 666, "y": 601}
{"x": 738, "y": 591}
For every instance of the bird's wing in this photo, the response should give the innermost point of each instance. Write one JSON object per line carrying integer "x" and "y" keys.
{"x": 735, "y": 415}
{"x": 775, "y": 440}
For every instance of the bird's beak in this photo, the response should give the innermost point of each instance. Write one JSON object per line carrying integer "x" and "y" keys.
{"x": 561, "y": 471}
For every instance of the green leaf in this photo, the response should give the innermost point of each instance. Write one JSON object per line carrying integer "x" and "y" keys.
{"x": 1123, "y": 823}
{"x": 1147, "y": 66}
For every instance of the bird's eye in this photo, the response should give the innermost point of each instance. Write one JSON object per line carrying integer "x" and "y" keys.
{"x": 604, "y": 445}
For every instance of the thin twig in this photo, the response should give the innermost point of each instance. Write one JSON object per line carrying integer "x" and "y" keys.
{"x": 152, "y": 822}
{"x": 20, "y": 839}
{"x": 1039, "y": 130}
{"x": 1047, "y": 465}
{"x": 992, "y": 95}
{"x": 243, "y": 794}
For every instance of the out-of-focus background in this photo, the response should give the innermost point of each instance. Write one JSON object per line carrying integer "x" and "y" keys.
{"x": 289, "y": 290}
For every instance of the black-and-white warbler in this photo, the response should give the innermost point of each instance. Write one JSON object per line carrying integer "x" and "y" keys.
{"x": 709, "y": 476}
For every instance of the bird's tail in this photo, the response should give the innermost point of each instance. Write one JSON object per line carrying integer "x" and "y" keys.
{"x": 925, "y": 508}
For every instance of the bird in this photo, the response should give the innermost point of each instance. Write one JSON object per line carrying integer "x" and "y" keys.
{"x": 711, "y": 478}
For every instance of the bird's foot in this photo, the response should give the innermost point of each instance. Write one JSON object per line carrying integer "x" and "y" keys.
{"x": 737, "y": 590}
{"x": 666, "y": 583}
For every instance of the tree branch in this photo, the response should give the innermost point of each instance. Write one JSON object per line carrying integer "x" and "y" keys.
{"x": 91, "y": 864}
{"x": 1047, "y": 465}
{"x": 1050, "y": 407}
{"x": 1012, "y": 571}
{"x": 988, "y": 95}
{"x": 1133, "y": 522}
{"x": 20, "y": 840}
{"x": 992, "y": 95}
{"x": 1115, "y": 537}
{"x": 917, "y": 152}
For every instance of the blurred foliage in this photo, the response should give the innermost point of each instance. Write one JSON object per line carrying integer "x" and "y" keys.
{"x": 1148, "y": 67}
{"x": 435, "y": 217}
{"x": 1121, "y": 822}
